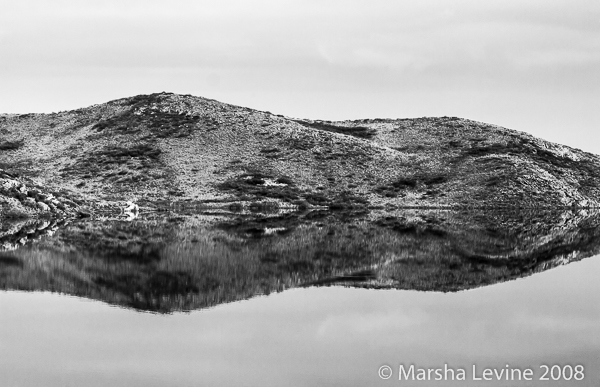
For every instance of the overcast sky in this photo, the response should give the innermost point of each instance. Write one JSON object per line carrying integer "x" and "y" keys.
{"x": 527, "y": 65}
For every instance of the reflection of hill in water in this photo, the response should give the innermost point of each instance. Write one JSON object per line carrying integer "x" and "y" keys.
{"x": 189, "y": 262}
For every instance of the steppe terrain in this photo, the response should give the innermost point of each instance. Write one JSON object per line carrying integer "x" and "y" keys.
{"x": 165, "y": 148}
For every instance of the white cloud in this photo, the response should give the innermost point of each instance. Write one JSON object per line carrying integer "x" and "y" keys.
{"x": 363, "y": 53}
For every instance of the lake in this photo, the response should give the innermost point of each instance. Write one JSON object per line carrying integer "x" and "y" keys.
{"x": 301, "y": 300}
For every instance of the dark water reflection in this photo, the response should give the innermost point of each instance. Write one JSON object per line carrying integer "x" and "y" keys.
{"x": 328, "y": 336}
{"x": 314, "y": 333}
{"x": 175, "y": 262}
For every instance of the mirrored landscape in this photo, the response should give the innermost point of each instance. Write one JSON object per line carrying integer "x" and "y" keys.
{"x": 255, "y": 296}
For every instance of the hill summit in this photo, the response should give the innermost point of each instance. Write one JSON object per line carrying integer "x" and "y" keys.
{"x": 166, "y": 147}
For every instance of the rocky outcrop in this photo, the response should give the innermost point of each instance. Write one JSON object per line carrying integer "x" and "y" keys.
{"x": 21, "y": 198}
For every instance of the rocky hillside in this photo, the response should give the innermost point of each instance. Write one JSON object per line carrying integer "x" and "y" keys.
{"x": 166, "y": 147}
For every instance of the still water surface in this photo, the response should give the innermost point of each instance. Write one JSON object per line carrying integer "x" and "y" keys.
{"x": 331, "y": 336}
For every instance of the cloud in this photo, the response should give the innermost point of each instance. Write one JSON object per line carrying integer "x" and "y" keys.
{"x": 397, "y": 36}
{"x": 464, "y": 57}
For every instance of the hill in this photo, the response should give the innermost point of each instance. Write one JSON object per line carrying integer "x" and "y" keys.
{"x": 159, "y": 148}
{"x": 259, "y": 203}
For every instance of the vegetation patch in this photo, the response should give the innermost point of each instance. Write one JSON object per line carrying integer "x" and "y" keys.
{"x": 117, "y": 163}
{"x": 260, "y": 186}
{"x": 146, "y": 99}
{"x": 347, "y": 200}
{"x": 399, "y": 186}
{"x": 303, "y": 143}
{"x": 494, "y": 149}
{"x": 257, "y": 185}
{"x": 171, "y": 124}
{"x": 116, "y": 155}
{"x": 125, "y": 123}
{"x": 355, "y": 131}
{"x": 160, "y": 124}
{"x": 11, "y": 145}
{"x": 24, "y": 167}
{"x": 588, "y": 172}
{"x": 271, "y": 153}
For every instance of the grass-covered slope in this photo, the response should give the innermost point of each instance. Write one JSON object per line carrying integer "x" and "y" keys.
{"x": 175, "y": 148}
{"x": 461, "y": 162}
